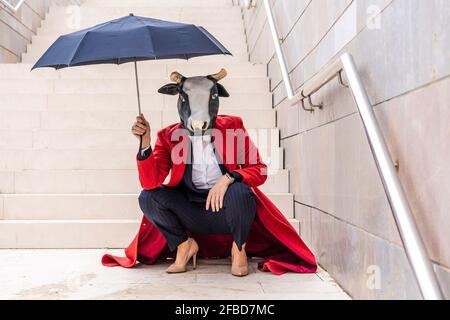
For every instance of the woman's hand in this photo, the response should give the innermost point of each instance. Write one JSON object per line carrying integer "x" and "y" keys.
{"x": 217, "y": 193}
{"x": 141, "y": 128}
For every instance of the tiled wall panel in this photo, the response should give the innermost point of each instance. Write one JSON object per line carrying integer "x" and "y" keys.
{"x": 402, "y": 50}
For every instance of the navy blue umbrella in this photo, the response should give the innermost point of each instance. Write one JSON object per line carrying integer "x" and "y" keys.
{"x": 130, "y": 39}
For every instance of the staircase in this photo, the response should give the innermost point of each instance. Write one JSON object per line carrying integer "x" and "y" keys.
{"x": 67, "y": 159}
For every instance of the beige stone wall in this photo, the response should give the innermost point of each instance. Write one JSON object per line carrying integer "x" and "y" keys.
{"x": 402, "y": 49}
{"x": 17, "y": 28}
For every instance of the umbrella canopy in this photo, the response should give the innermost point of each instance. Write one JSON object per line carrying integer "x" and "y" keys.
{"x": 130, "y": 39}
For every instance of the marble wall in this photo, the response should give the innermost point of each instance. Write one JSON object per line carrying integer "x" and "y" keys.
{"x": 17, "y": 28}
{"x": 402, "y": 49}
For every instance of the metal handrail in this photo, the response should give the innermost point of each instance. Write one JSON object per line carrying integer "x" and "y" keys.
{"x": 10, "y": 6}
{"x": 278, "y": 50}
{"x": 277, "y": 43}
{"x": 414, "y": 247}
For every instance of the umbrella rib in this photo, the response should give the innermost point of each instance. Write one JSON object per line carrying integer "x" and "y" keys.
{"x": 149, "y": 33}
{"x": 95, "y": 28}
{"x": 78, "y": 48}
{"x": 213, "y": 39}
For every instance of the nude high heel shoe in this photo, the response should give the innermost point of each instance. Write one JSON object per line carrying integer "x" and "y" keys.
{"x": 185, "y": 252}
{"x": 239, "y": 263}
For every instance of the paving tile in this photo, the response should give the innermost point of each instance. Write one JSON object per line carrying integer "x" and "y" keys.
{"x": 78, "y": 274}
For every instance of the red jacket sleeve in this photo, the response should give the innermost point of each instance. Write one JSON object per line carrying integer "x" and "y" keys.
{"x": 250, "y": 164}
{"x": 154, "y": 170}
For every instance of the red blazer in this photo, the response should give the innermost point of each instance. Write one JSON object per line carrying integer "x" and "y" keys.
{"x": 271, "y": 236}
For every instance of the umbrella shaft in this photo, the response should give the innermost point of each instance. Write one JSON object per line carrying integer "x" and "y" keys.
{"x": 137, "y": 87}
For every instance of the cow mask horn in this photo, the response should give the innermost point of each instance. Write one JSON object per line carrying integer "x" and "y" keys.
{"x": 220, "y": 75}
{"x": 198, "y": 102}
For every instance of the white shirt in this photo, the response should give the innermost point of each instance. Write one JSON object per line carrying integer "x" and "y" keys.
{"x": 205, "y": 168}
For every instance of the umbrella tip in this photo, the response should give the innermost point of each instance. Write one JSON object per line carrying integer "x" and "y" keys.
{"x": 131, "y": 14}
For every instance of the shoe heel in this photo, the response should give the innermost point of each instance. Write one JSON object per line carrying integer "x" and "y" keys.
{"x": 194, "y": 261}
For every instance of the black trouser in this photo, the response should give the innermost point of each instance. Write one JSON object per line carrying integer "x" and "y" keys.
{"x": 170, "y": 210}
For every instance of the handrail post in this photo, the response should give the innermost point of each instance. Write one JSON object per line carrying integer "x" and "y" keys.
{"x": 414, "y": 246}
{"x": 278, "y": 50}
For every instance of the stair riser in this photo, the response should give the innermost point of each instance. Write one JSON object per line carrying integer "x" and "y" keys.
{"x": 70, "y": 207}
{"x": 117, "y": 120}
{"x": 64, "y": 234}
{"x": 95, "y": 181}
{"x": 122, "y": 102}
{"x": 219, "y": 4}
{"x": 71, "y": 235}
{"x": 99, "y": 139}
{"x": 88, "y": 17}
{"x": 159, "y": 69}
{"x": 126, "y": 86}
{"x": 85, "y": 159}
{"x": 80, "y": 207}
{"x": 150, "y": 9}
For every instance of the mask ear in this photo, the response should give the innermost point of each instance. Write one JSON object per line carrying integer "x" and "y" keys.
{"x": 222, "y": 91}
{"x": 170, "y": 89}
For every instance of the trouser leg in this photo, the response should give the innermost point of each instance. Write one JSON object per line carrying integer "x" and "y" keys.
{"x": 156, "y": 206}
{"x": 173, "y": 214}
{"x": 170, "y": 210}
{"x": 240, "y": 211}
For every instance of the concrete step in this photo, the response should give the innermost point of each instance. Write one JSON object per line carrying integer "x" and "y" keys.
{"x": 70, "y": 234}
{"x": 148, "y": 7}
{"x": 219, "y": 4}
{"x": 60, "y": 120}
{"x": 296, "y": 224}
{"x": 154, "y": 101}
{"x": 97, "y": 181}
{"x": 112, "y": 158}
{"x": 87, "y": 16}
{"x": 67, "y": 234}
{"x": 91, "y": 206}
{"x": 69, "y": 22}
{"x": 117, "y": 86}
{"x": 107, "y": 120}
{"x": 159, "y": 69}
{"x": 122, "y": 102}
{"x": 101, "y": 139}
